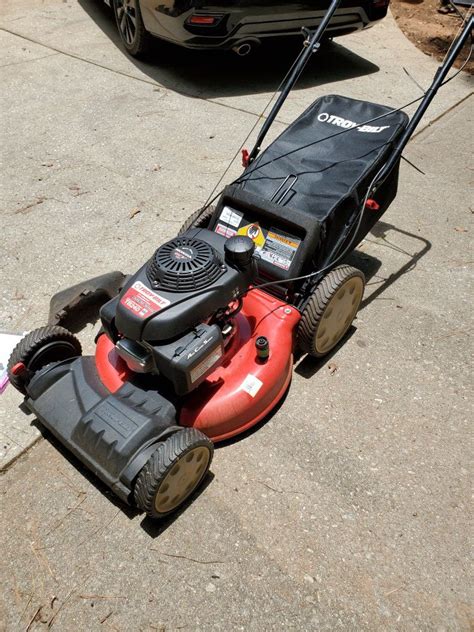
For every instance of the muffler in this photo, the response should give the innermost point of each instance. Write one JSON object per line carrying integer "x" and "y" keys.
{"x": 245, "y": 47}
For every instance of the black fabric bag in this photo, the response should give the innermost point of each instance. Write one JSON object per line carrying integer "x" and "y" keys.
{"x": 323, "y": 164}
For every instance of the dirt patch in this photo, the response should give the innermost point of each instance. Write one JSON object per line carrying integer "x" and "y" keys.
{"x": 430, "y": 30}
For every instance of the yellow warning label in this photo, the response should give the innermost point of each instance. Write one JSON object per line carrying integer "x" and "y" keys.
{"x": 254, "y": 232}
{"x": 284, "y": 240}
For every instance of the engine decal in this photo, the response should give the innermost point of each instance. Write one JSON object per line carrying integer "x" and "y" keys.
{"x": 251, "y": 385}
{"x": 226, "y": 231}
{"x": 255, "y": 233}
{"x": 279, "y": 249}
{"x": 205, "y": 364}
{"x": 142, "y": 301}
{"x": 231, "y": 217}
{"x": 272, "y": 245}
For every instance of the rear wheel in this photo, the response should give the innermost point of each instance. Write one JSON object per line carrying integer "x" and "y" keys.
{"x": 37, "y": 349}
{"x": 173, "y": 472}
{"x": 330, "y": 310}
{"x": 133, "y": 34}
{"x": 199, "y": 219}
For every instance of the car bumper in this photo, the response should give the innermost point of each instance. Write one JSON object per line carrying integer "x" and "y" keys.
{"x": 238, "y": 24}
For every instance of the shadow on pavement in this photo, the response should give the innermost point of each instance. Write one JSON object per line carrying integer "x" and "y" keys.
{"x": 380, "y": 231}
{"x": 213, "y": 74}
{"x": 308, "y": 366}
{"x": 153, "y": 528}
{"x": 129, "y": 511}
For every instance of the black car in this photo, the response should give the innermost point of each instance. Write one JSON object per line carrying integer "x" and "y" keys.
{"x": 239, "y": 25}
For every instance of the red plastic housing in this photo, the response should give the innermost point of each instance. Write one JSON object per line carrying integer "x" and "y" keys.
{"x": 112, "y": 370}
{"x": 240, "y": 392}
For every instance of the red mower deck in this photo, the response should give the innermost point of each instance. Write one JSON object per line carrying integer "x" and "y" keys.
{"x": 240, "y": 392}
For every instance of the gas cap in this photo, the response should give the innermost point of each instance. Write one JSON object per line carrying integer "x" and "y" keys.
{"x": 239, "y": 251}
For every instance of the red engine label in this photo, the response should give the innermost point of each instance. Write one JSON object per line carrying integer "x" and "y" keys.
{"x": 142, "y": 301}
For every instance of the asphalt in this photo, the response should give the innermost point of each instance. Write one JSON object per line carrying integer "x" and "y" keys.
{"x": 349, "y": 508}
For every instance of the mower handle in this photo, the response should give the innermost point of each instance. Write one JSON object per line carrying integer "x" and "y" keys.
{"x": 311, "y": 45}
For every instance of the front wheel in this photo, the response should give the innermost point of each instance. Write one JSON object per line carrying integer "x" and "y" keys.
{"x": 133, "y": 34}
{"x": 37, "y": 349}
{"x": 173, "y": 472}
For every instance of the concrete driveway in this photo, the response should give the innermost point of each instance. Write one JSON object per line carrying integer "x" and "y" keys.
{"x": 349, "y": 508}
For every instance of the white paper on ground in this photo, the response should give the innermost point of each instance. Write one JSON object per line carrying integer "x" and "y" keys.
{"x": 7, "y": 343}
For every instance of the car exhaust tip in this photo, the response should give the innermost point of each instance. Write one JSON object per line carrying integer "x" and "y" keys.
{"x": 244, "y": 48}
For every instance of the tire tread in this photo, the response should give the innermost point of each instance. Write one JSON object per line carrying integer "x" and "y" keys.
{"x": 199, "y": 219}
{"x": 318, "y": 302}
{"x": 31, "y": 343}
{"x": 160, "y": 462}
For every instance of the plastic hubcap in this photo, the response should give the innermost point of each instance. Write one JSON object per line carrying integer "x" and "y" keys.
{"x": 54, "y": 351}
{"x": 182, "y": 479}
{"x": 339, "y": 314}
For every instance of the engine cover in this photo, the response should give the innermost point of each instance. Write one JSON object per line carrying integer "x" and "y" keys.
{"x": 184, "y": 264}
{"x": 182, "y": 285}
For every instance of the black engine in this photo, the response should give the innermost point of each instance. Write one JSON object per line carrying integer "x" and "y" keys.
{"x": 174, "y": 316}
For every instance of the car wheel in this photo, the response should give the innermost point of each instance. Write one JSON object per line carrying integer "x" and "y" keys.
{"x": 133, "y": 34}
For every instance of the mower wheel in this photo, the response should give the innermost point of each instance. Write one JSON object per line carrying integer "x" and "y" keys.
{"x": 173, "y": 472}
{"x": 37, "y": 349}
{"x": 330, "y": 310}
{"x": 199, "y": 219}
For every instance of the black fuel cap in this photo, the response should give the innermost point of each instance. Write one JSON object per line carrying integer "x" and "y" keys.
{"x": 239, "y": 251}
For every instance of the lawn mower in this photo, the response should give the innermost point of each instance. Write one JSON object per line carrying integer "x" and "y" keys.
{"x": 198, "y": 345}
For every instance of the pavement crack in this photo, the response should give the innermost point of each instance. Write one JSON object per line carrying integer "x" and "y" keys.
{"x": 79, "y": 58}
{"x": 430, "y": 124}
{"x": 26, "y": 61}
{"x": 34, "y": 618}
{"x": 25, "y": 450}
{"x": 191, "y": 559}
{"x": 281, "y": 491}
{"x": 68, "y": 597}
{"x": 99, "y": 529}
{"x": 23, "y": 210}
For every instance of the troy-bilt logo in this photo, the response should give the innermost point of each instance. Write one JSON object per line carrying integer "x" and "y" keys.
{"x": 140, "y": 300}
{"x": 324, "y": 117}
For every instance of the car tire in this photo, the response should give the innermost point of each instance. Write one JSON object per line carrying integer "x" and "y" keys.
{"x": 133, "y": 34}
{"x": 173, "y": 472}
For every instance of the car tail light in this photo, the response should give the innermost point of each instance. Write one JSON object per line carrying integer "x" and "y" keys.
{"x": 203, "y": 20}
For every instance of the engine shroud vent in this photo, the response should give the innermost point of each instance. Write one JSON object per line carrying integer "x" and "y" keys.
{"x": 183, "y": 265}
